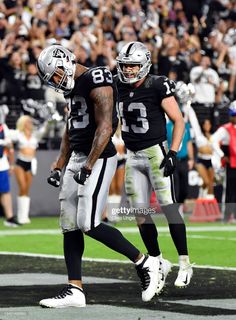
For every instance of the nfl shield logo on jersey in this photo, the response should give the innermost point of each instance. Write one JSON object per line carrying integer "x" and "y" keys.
{"x": 131, "y": 94}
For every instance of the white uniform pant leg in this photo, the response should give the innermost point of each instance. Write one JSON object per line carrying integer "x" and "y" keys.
{"x": 163, "y": 186}
{"x": 137, "y": 182}
{"x": 92, "y": 198}
{"x": 82, "y": 206}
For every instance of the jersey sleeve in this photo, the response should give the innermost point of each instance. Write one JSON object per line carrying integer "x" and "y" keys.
{"x": 165, "y": 87}
{"x": 99, "y": 77}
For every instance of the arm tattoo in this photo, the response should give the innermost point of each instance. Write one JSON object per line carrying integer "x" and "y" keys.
{"x": 65, "y": 151}
{"x": 103, "y": 106}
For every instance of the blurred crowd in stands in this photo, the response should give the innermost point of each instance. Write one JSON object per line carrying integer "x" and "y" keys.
{"x": 189, "y": 41}
{"x": 192, "y": 41}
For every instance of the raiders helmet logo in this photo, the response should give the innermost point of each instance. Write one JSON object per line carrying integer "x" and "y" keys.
{"x": 58, "y": 53}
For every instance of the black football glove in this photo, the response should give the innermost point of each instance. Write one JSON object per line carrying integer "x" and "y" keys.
{"x": 169, "y": 163}
{"x": 82, "y": 175}
{"x": 55, "y": 177}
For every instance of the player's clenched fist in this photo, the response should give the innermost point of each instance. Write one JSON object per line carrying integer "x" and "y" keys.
{"x": 169, "y": 163}
{"x": 55, "y": 177}
{"x": 82, "y": 175}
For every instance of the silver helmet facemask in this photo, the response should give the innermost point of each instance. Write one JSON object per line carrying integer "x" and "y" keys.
{"x": 57, "y": 61}
{"x": 133, "y": 53}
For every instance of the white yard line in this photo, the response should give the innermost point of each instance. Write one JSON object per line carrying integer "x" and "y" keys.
{"x": 163, "y": 230}
{"x": 26, "y": 254}
{"x": 205, "y": 237}
{"x": 192, "y": 228}
{"x": 29, "y": 232}
{"x": 122, "y": 229}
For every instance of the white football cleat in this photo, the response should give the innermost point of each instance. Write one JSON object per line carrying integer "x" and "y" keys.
{"x": 164, "y": 269}
{"x": 70, "y": 296}
{"x": 149, "y": 276}
{"x": 184, "y": 275}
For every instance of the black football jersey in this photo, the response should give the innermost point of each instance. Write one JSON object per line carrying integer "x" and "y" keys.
{"x": 81, "y": 121}
{"x": 142, "y": 117}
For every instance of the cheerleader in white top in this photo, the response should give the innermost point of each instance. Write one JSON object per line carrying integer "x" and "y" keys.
{"x": 208, "y": 159}
{"x": 26, "y": 164}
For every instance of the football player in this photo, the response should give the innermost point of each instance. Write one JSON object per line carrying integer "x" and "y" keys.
{"x": 144, "y": 100}
{"x": 89, "y": 158}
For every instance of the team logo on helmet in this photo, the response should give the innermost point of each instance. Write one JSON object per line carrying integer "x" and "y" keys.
{"x": 58, "y": 53}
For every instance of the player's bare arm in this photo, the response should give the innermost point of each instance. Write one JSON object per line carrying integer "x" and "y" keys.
{"x": 64, "y": 153}
{"x": 103, "y": 105}
{"x": 172, "y": 110}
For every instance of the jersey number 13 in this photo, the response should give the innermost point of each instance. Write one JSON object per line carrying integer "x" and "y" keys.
{"x": 140, "y": 124}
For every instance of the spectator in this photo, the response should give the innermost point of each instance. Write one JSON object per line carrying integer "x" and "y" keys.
{"x": 184, "y": 95}
{"x": 33, "y": 84}
{"x": 13, "y": 71}
{"x": 3, "y": 25}
{"x": 87, "y": 19}
{"x": 106, "y": 18}
{"x": 195, "y": 57}
{"x": 206, "y": 83}
{"x": 170, "y": 62}
{"x": 185, "y": 156}
{"x": 124, "y": 32}
{"x": 6, "y": 168}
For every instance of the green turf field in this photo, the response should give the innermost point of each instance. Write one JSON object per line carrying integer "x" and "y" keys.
{"x": 210, "y": 247}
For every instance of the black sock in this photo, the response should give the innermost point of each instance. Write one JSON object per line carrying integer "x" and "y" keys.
{"x": 73, "y": 251}
{"x": 114, "y": 239}
{"x": 149, "y": 234}
{"x": 178, "y": 234}
{"x": 177, "y": 228}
